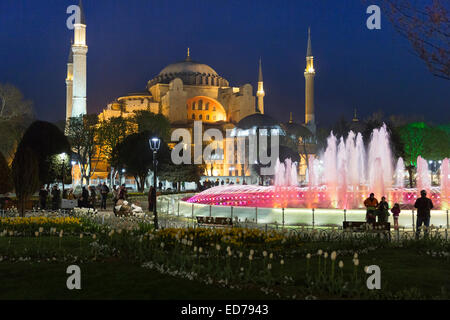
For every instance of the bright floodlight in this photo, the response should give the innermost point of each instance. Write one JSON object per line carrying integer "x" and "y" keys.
{"x": 63, "y": 156}
{"x": 155, "y": 144}
{"x": 73, "y": 162}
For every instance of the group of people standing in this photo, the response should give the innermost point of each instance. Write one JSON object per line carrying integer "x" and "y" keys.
{"x": 55, "y": 197}
{"x": 87, "y": 199}
{"x": 381, "y": 210}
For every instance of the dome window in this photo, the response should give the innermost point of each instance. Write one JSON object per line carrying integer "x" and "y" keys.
{"x": 200, "y": 104}
{"x": 200, "y": 117}
{"x": 193, "y": 105}
{"x": 207, "y": 106}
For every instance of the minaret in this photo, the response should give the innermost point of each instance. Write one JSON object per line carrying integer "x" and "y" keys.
{"x": 188, "y": 57}
{"x": 309, "y": 87}
{"x": 79, "y": 49}
{"x": 69, "y": 85}
{"x": 260, "y": 93}
{"x": 355, "y": 118}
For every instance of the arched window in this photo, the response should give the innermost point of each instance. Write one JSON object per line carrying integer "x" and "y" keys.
{"x": 214, "y": 118}
{"x": 207, "y": 117}
{"x": 193, "y": 105}
{"x": 214, "y": 108}
{"x": 200, "y": 104}
{"x": 193, "y": 116}
{"x": 207, "y": 106}
{"x": 200, "y": 117}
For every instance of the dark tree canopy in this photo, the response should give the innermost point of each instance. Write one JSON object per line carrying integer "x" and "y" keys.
{"x": 156, "y": 123}
{"x": 135, "y": 155}
{"x": 46, "y": 140}
{"x": 25, "y": 172}
{"x": 5, "y": 176}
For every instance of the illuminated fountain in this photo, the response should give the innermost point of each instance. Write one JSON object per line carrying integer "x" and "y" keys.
{"x": 341, "y": 178}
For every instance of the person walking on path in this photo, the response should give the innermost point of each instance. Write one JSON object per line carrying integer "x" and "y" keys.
{"x": 151, "y": 198}
{"x": 84, "y": 199}
{"x": 92, "y": 197}
{"x": 423, "y": 206}
{"x": 43, "y": 194}
{"x": 395, "y": 213}
{"x": 56, "y": 197}
{"x": 122, "y": 193}
{"x": 371, "y": 204}
{"x": 104, "y": 192}
{"x": 383, "y": 210}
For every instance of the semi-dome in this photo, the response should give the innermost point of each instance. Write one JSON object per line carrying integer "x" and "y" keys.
{"x": 191, "y": 73}
{"x": 258, "y": 120}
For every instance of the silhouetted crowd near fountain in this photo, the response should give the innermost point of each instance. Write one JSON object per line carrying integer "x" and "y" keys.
{"x": 380, "y": 210}
{"x": 88, "y": 198}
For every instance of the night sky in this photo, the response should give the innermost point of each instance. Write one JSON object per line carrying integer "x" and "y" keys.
{"x": 131, "y": 41}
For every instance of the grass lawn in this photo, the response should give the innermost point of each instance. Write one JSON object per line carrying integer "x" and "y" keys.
{"x": 112, "y": 280}
{"x": 401, "y": 269}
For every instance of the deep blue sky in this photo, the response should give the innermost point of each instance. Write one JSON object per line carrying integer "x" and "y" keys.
{"x": 130, "y": 41}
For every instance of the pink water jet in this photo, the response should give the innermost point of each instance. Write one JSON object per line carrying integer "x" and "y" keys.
{"x": 342, "y": 177}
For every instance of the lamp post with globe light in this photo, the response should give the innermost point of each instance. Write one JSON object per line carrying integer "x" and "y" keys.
{"x": 62, "y": 156}
{"x": 155, "y": 143}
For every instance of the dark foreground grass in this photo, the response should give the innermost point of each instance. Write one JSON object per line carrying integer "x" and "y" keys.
{"x": 113, "y": 280}
{"x": 401, "y": 269}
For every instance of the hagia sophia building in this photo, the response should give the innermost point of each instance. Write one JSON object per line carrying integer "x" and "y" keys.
{"x": 184, "y": 92}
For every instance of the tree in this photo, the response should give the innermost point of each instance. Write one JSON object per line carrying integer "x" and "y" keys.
{"x": 181, "y": 173}
{"x": 16, "y": 114}
{"x": 12, "y": 103}
{"x": 111, "y": 133}
{"x": 436, "y": 143}
{"x": 5, "y": 176}
{"x": 25, "y": 172}
{"x": 413, "y": 137}
{"x": 156, "y": 123}
{"x": 83, "y": 134}
{"x": 46, "y": 140}
{"x": 426, "y": 26}
{"x": 135, "y": 155}
{"x": 299, "y": 138}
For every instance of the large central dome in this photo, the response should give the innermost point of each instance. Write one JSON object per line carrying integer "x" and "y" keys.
{"x": 191, "y": 73}
{"x": 190, "y": 67}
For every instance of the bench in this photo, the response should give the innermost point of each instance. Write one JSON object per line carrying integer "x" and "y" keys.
{"x": 214, "y": 221}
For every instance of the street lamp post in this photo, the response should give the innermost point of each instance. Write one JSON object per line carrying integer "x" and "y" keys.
{"x": 73, "y": 162}
{"x": 155, "y": 143}
{"x": 63, "y": 158}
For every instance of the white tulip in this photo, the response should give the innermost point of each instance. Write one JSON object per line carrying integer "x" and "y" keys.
{"x": 341, "y": 264}
{"x": 319, "y": 252}
{"x": 308, "y": 256}
{"x": 333, "y": 255}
